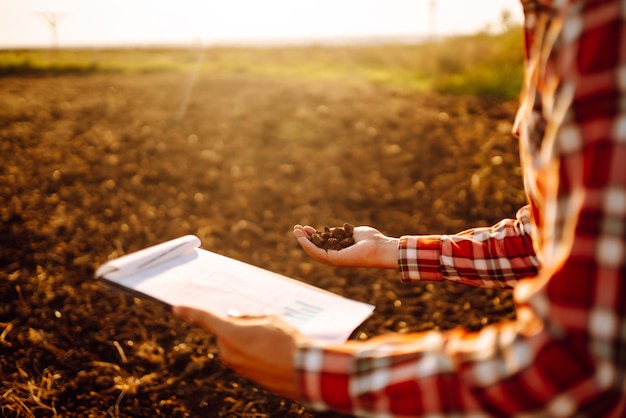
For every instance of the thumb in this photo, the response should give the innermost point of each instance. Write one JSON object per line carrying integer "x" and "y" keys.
{"x": 206, "y": 320}
{"x": 185, "y": 312}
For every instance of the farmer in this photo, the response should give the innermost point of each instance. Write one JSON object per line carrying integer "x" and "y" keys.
{"x": 564, "y": 255}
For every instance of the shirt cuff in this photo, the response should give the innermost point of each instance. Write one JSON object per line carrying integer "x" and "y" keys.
{"x": 418, "y": 258}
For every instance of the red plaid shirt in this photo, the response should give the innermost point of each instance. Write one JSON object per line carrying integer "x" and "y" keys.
{"x": 565, "y": 354}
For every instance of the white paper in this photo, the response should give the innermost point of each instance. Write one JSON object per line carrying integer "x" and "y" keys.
{"x": 148, "y": 257}
{"x": 222, "y": 285}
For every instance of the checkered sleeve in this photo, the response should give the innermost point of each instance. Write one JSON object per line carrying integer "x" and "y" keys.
{"x": 490, "y": 257}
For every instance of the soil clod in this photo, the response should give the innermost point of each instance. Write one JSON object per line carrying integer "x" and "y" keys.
{"x": 335, "y": 238}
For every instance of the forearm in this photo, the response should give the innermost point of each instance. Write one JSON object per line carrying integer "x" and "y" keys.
{"x": 391, "y": 375}
{"x": 497, "y": 256}
{"x": 456, "y": 372}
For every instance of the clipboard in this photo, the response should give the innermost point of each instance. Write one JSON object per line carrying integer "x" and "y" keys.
{"x": 179, "y": 272}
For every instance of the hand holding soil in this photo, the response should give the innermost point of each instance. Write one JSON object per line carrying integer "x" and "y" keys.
{"x": 369, "y": 247}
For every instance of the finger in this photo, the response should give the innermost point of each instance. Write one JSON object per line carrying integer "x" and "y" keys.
{"x": 309, "y": 230}
{"x": 212, "y": 323}
{"x": 304, "y": 240}
{"x": 306, "y": 230}
{"x": 228, "y": 329}
{"x": 300, "y": 232}
{"x": 236, "y": 314}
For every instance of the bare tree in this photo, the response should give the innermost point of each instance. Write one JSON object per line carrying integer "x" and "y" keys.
{"x": 432, "y": 21}
{"x": 52, "y": 18}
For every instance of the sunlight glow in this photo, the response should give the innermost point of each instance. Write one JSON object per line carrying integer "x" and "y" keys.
{"x": 122, "y": 22}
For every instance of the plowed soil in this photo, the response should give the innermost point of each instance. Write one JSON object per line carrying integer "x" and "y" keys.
{"x": 96, "y": 166}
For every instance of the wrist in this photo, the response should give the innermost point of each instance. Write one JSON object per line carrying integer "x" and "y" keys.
{"x": 387, "y": 253}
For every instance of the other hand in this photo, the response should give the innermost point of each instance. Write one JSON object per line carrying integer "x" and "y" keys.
{"x": 261, "y": 348}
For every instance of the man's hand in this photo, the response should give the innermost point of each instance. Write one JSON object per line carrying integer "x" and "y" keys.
{"x": 260, "y": 348}
{"x": 371, "y": 249}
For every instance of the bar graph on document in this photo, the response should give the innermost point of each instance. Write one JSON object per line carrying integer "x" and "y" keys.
{"x": 300, "y": 311}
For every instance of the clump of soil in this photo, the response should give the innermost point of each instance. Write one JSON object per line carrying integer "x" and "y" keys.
{"x": 335, "y": 238}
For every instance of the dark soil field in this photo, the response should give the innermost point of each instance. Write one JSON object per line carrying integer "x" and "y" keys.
{"x": 98, "y": 165}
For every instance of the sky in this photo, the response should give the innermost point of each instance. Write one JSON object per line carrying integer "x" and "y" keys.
{"x": 24, "y": 23}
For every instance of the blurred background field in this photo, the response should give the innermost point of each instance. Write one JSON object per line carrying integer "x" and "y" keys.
{"x": 483, "y": 64}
